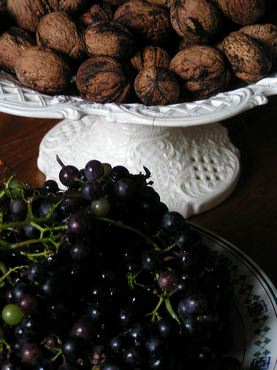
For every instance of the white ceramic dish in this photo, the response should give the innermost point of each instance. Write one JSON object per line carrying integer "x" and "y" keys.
{"x": 255, "y": 303}
{"x": 26, "y": 102}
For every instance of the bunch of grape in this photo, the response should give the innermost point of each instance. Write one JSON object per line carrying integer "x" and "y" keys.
{"x": 102, "y": 276}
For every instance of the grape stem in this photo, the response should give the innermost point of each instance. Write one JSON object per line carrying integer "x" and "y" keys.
{"x": 57, "y": 355}
{"x": 10, "y": 271}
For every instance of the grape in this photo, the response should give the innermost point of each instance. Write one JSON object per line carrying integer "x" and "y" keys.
{"x": 167, "y": 328}
{"x": 124, "y": 188}
{"x": 118, "y": 172}
{"x": 94, "y": 170}
{"x": 91, "y": 190}
{"x": 30, "y": 353}
{"x": 73, "y": 347}
{"x": 84, "y": 328}
{"x": 12, "y": 314}
{"x": 44, "y": 365}
{"x": 100, "y": 207}
{"x": 68, "y": 176}
{"x": 18, "y": 207}
{"x": 51, "y": 186}
{"x": 153, "y": 344}
{"x": 151, "y": 260}
{"x": 28, "y": 303}
{"x": 109, "y": 366}
{"x": 107, "y": 169}
{"x": 78, "y": 224}
{"x": 167, "y": 280}
{"x": 132, "y": 356}
{"x": 31, "y": 232}
{"x": 193, "y": 305}
{"x": 79, "y": 250}
{"x": 172, "y": 222}
{"x": 116, "y": 344}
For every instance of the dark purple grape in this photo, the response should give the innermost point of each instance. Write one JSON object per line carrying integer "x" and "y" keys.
{"x": 126, "y": 316}
{"x": 18, "y": 207}
{"x": 52, "y": 288}
{"x": 91, "y": 190}
{"x": 51, "y": 186}
{"x": 94, "y": 170}
{"x": 95, "y": 312}
{"x": 148, "y": 191}
{"x": 30, "y": 353}
{"x": 194, "y": 305}
{"x": 132, "y": 356}
{"x": 73, "y": 347}
{"x": 28, "y": 303}
{"x": 168, "y": 280}
{"x": 116, "y": 344}
{"x": 68, "y": 366}
{"x": 70, "y": 205}
{"x": 151, "y": 260}
{"x": 45, "y": 208}
{"x": 192, "y": 327}
{"x": 79, "y": 250}
{"x": 203, "y": 355}
{"x": 84, "y": 328}
{"x": 44, "y": 365}
{"x": 31, "y": 232}
{"x": 173, "y": 222}
{"x": 99, "y": 292}
{"x": 184, "y": 239}
{"x": 110, "y": 366}
{"x": 69, "y": 175}
{"x": 153, "y": 345}
{"x": 187, "y": 260}
{"x": 138, "y": 333}
{"x": 157, "y": 362}
{"x": 167, "y": 327}
{"x": 117, "y": 173}
{"x": 78, "y": 224}
{"x": 124, "y": 189}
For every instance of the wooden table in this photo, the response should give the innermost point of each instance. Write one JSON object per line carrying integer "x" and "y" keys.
{"x": 248, "y": 218}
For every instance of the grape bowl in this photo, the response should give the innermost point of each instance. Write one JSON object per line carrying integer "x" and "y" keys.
{"x": 183, "y": 145}
{"x": 101, "y": 276}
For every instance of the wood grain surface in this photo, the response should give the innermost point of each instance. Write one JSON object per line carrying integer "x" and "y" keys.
{"x": 248, "y": 218}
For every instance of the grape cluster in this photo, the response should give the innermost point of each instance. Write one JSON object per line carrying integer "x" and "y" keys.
{"x": 101, "y": 276}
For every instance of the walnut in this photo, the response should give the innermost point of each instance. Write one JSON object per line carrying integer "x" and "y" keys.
{"x": 165, "y": 3}
{"x": 103, "y": 79}
{"x": 195, "y": 20}
{"x": 146, "y": 20}
{"x": 266, "y": 34}
{"x": 97, "y": 13}
{"x": 242, "y": 11}
{"x": 43, "y": 70}
{"x": 202, "y": 69}
{"x": 110, "y": 39}
{"x": 67, "y": 6}
{"x": 57, "y": 31}
{"x": 115, "y": 2}
{"x": 249, "y": 60}
{"x": 28, "y": 13}
{"x": 150, "y": 56}
{"x": 12, "y": 43}
{"x": 157, "y": 86}
{"x": 185, "y": 43}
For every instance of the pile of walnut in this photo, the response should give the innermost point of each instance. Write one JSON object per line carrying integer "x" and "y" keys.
{"x": 158, "y": 51}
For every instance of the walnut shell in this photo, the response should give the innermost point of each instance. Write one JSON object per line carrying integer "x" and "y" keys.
{"x": 28, "y": 13}
{"x": 110, "y": 39}
{"x": 12, "y": 43}
{"x": 146, "y": 20}
{"x": 102, "y": 79}
{"x": 57, "y": 31}
{"x": 165, "y": 3}
{"x": 97, "y": 13}
{"x": 202, "y": 69}
{"x": 266, "y": 34}
{"x": 43, "y": 70}
{"x": 115, "y": 2}
{"x": 157, "y": 86}
{"x": 249, "y": 60}
{"x": 242, "y": 11}
{"x": 195, "y": 20}
{"x": 67, "y": 6}
{"x": 150, "y": 56}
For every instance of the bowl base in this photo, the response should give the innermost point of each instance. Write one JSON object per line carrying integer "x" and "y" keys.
{"x": 193, "y": 169}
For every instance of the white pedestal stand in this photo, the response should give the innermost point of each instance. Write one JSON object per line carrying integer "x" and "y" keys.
{"x": 193, "y": 169}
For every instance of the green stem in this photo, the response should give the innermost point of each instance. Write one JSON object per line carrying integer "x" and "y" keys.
{"x": 10, "y": 271}
{"x": 154, "y": 313}
{"x": 57, "y": 355}
{"x": 171, "y": 310}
